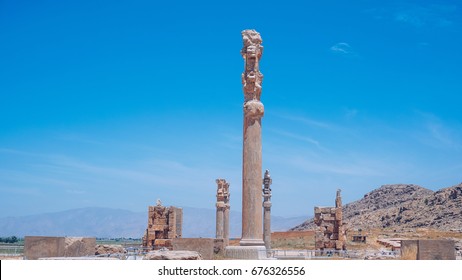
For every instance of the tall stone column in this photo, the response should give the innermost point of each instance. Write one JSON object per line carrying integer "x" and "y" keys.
{"x": 220, "y": 208}
{"x": 339, "y": 220}
{"x": 267, "y": 210}
{"x": 338, "y": 211}
{"x": 226, "y": 214}
{"x": 252, "y": 152}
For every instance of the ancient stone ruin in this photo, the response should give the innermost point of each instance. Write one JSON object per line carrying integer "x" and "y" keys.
{"x": 252, "y": 226}
{"x": 39, "y": 247}
{"x": 329, "y": 228}
{"x": 251, "y": 244}
{"x": 428, "y": 250}
{"x": 108, "y": 250}
{"x": 164, "y": 224}
{"x": 222, "y": 218}
{"x": 267, "y": 181}
{"x": 172, "y": 255}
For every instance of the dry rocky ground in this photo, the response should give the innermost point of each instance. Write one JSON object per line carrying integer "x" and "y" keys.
{"x": 403, "y": 207}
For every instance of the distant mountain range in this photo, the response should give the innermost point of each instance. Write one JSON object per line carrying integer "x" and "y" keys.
{"x": 113, "y": 223}
{"x": 403, "y": 206}
{"x": 398, "y": 207}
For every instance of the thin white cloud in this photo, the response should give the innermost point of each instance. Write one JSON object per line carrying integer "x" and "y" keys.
{"x": 409, "y": 17}
{"x": 50, "y": 170}
{"x": 423, "y": 44}
{"x": 75, "y": 192}
{"x": 425, "y": 15}
{"x": 441, "y": 134}
{"x": 124, "y": 173}
{"x": 74, "y": 137}
{"x": 18, "y": 152}
{"x": 297, "y": 137}
{"x": 437, "y": 134}
{"x": 341, "y": 48}
{"x": 418, "y": 15}
{"x": 350, "y": 113}
{"x": 20, "y": 191}
{"x": 307, "y": 121}
{"x": 335, "y": 167}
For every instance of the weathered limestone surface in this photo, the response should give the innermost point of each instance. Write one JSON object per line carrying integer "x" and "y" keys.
{"x": 164, "y": 224}
{"x": 105, "y": 249}
{"x": 267, "y": 209}
{"x": 246, "y": 252}
{"x": 206, "y": 247}
{"x": 252, "y": 152}
{"x": 329, "y": 228}
{"x": 172, "y": 255}
{"x": 222, "y": 218}
{"x": 36, "y": 247}
{"x": 79, "y": 246}
{"x": 219, "y": 220}
{"x": 226, "y": 224}
{"x": 293, "y": 239}
{"x": 428, "y": 249}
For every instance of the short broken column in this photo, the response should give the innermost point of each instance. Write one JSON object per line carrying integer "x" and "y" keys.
{"x": 267, "y": 210}
{"x": 222, "y": 218}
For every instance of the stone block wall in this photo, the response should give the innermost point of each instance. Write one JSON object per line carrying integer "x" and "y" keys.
{"x": 293, "y": 239}
{"x": 204, "y": 246}
{"x": 328, "y": 228}
{"x": 36, "y": 247}
{"x": 428, "y": 249}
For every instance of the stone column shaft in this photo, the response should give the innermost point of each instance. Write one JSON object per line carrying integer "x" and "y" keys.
{"x": 252, "y": 227}
{"x": 267, "y": 225}
{"x": 219, "y": 220}
{"x": 226, "y": 225}
{"x": 267, "y": 210}
{"x": 339, "y": 215}
{"x": 251, "y": 184}
{"x": 222, "y": 220}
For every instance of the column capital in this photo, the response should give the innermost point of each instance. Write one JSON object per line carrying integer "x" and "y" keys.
{"x": 267, "y": 178}
{"x": 254, "y": 109}
{"x": 252, "y": 52}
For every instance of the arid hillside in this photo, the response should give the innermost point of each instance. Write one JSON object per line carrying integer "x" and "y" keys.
{"x": 401, "y": 207}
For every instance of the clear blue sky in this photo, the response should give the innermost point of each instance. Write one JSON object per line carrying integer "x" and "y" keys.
{"x": 118, "y": 103}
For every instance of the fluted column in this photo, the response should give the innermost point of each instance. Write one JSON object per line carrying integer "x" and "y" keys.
{"x": 252, "y": 151}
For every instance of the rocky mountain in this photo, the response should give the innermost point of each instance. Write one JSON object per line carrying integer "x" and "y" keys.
{"x": 113, "y": 223}
{"x": 401, "y": 207}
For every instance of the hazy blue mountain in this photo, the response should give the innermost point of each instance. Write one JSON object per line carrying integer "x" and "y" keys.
{"x": 100, "y": 222}
{"x": 107, "y": 222}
